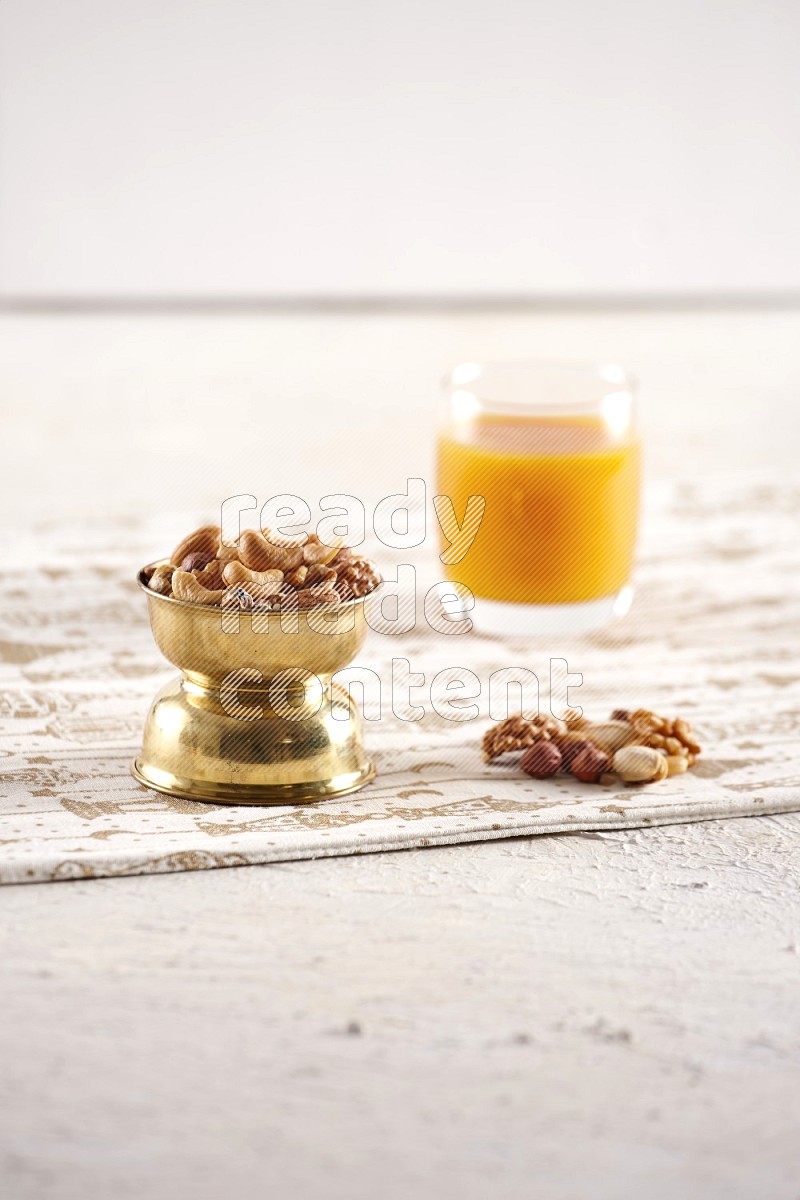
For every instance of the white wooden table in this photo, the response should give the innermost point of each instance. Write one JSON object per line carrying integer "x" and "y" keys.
{"x": 609, "y": 1015}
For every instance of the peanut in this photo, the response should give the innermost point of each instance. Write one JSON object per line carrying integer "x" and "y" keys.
{"x": 640, "y": 764}
{"x": 684, "y": 732}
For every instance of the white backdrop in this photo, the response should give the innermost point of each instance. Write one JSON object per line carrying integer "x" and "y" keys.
{"x": 299, "y": 147}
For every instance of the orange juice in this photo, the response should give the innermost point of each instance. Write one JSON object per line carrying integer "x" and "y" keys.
{"x": 562, "y": 505}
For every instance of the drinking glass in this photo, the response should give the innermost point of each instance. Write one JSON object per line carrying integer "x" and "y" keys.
{"x": 553, "y": 450}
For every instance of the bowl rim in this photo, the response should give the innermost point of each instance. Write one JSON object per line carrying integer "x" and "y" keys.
{"x": 215, "y": 608}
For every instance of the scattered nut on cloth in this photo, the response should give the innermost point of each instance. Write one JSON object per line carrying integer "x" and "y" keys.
{"x": 714, "y": 636}
{"x": 634, "y": 747}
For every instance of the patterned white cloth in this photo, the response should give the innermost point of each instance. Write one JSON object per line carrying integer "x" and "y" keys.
{"x": 714, "y": 635}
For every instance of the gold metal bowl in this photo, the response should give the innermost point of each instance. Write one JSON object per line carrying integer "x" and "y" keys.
{"x": 255, "y": 717}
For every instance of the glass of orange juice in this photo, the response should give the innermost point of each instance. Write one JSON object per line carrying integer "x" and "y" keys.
{"x": 554, "y": 452}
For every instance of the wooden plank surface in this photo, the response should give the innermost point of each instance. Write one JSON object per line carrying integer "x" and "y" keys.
{"x": 610, "y": 1015}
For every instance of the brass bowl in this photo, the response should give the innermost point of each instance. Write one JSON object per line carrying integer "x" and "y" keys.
{"x": 255, "y": 717}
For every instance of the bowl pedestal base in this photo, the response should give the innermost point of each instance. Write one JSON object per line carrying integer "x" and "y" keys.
{"x": 245, "y": 752}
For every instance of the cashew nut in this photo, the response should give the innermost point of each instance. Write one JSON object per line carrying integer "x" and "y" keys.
{"x": 161, "y": 580}
{"x": 211, "y": 575}
{"x": 260, "y": 554}
{"x": 186, "y": 587}
{"x": 267, "y": 582}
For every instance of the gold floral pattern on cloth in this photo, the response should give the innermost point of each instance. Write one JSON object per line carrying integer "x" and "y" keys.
{"x": 714, "y": 635}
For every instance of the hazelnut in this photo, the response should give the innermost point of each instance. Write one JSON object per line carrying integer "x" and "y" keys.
{"x": 196, "y": 561}
{"x": 571, "y": 745}
{"x": 204, "y": 540}
{"x": 590, "y": 764}
{"x": 541, "y": 760}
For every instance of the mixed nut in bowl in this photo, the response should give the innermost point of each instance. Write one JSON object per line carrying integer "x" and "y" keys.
{"x": 258, "y": 629}
{"x": 264, "y": 590}
{"x": 260, "y": 570}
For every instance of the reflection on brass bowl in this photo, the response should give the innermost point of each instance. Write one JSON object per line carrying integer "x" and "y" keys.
{"x": 255, "y": 717}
